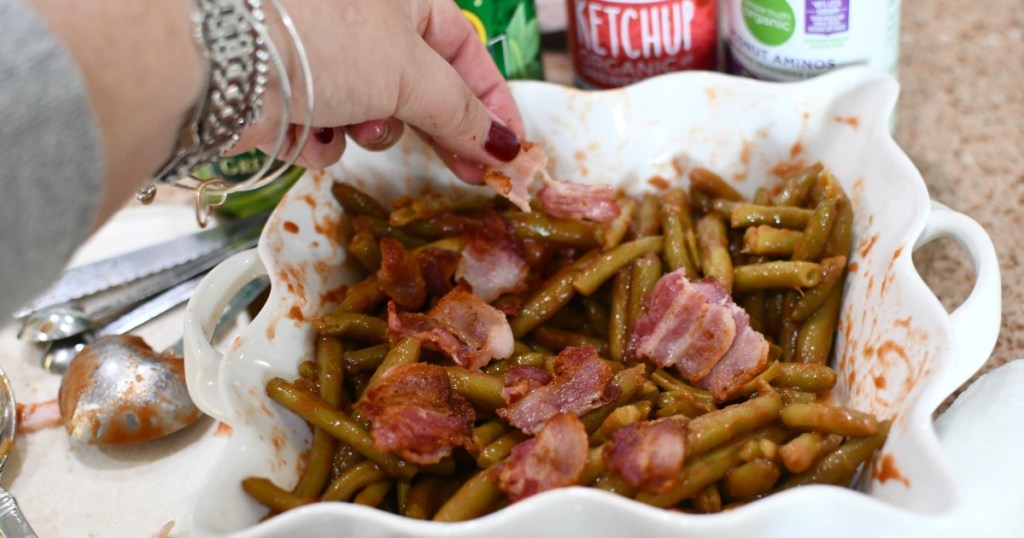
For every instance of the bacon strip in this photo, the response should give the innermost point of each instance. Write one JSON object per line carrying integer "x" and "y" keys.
{"x": 649, "y": 455}
{"x": 414, "y": 413}
{"x": 553, "y": 459}
{"x": 400, "y": 276}
{"x": 581, "y": 384}
{"x": 569, "y": 200}
{"x": 460, "y": 325}
{"x": 492, "y": 261}
{"x": 513, "y": 180}
{"x": 522, "y": 380}
{"x": 438, "y": 267}
{"x": 747, "y": 357}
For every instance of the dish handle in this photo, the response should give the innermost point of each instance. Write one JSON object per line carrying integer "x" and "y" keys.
{"x": 202, "y": 360}
{"x": 974, "y": 325}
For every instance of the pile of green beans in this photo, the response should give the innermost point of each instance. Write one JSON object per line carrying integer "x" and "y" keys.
{"x": 782, "y": 255}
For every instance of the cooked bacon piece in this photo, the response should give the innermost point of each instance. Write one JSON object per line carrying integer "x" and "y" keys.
{"x": 553, "y": 459}
{"x": 569, "y": 200}
{"x": 492, "y": 262}
{"x": 685, "y": 326}
{"x": 581, "y": 384}
{"x": 413, "y": 412}
{"x": 513, "y": 180}
{"x": 747, "y": 357}
{"x": 37, "y": 416}
{"x": 481, "y": 327}
{"x": 521, "y": 380}
{"x": 460, "y": 325}
{"x": 399, "y": 276}
{"x": 649, "y": 455}
{"x": 438, "y": 267}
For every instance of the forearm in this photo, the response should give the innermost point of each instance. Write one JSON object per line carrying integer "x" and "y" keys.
{"x": 143, "y": 74}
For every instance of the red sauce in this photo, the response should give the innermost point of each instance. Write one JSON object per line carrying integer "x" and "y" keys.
{"x": 658, "y": 182}
{"x": 880, "y": 382}
{"x": 798, "y": 147}
{"x": 745, "y": 152}
{"x": 866, "y": 245}
{"x": 291, "y": 227}
{"x": 785, "y": 168}
{"x": 296, "y": 313}
{"x": 852, "y": 121}
{"x": 853, "y": 267}
{"x": 581, "y": 159}
{"x": 223, "y": 430}
{"x": 905, "y": 322}
{"x": 887, "y": 470}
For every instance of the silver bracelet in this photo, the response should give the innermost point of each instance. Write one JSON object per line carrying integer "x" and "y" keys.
{"x": 233, "y": 40}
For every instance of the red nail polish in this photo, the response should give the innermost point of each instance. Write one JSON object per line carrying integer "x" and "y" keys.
{"x": 324, "y": 135}
{"x": 501, "y": 142}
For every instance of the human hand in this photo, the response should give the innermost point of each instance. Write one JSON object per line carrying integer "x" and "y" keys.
{"x": 419, "y": 62}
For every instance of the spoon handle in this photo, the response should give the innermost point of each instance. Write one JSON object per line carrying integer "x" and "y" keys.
{"x": 12, "y": 523}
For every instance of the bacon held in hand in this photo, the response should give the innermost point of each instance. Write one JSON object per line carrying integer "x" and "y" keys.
{"x": 649, "y": 454}
{"x": 414, "y": 413}
{"x": 400, "y": 276}
{"x": 695, "y": 327}
{"x": 553, "y": 459}
{"x": 492, "y": 261}
{"x": 569, "y": 200}
{"x": 582, "y": 383}
{"x": 460, "y": 325}
{"x": 513, "y": 180}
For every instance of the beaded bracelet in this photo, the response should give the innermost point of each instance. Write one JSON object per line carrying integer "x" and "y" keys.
{"x": 236, "y": 48}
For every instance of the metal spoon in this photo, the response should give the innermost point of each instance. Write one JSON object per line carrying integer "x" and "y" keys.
{"x": 58, "y": 354}
{"x": 118, "y": 390}
{"x": 12, "y": 522}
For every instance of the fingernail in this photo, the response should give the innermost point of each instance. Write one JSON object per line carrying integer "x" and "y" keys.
{"x": 380, "y": 133}
{"x": 324, "y": 135}
{"x": 501, "y": 142}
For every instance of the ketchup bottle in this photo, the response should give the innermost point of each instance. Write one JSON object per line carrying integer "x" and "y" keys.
{"x": 617, "y": 42}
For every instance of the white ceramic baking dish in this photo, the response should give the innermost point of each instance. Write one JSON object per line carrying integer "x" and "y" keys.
{"x": 899, "y": 353}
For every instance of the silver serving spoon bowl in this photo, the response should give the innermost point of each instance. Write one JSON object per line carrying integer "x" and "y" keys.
{"x": 54, "y": 323}
{"x": 12, "y": 522}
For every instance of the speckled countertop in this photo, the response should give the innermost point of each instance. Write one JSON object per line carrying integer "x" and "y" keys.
{"x": 960, "y": 118}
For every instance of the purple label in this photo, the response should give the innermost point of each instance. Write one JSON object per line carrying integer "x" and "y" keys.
{"x": 826, "y": 17}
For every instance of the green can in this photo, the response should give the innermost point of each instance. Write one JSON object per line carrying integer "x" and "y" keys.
{"x": 510, "y": 31}
{"x": 238, "y": 168}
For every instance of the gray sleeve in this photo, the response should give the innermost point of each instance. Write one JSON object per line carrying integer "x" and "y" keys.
{"x": 51, "y": 156}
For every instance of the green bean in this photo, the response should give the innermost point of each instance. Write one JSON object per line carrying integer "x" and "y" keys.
{"x": 499, "y": 449}
{"x": 714, "y": 250}
{"x": 568, "y": 318}
{"x": 753, "y": 304}
{"x": 441, "y": 227}
{"x": 553, "y": 338}
{"x": 487, "y": 433}
{"x": 712, "y": 184}
{"x": 358, "y": 477}
{"x": 597, "y": 317}
{"x": 276, "y": 499}
{"x": 708, "y": 501}
{"x": 337, "y": 423}
{"x": 825, "y": 186}
{"x": 425, "y": 495}
{"x": 800, "y": 453}
{"x": 701, "y": 202}
{"x": 773, "y": 303}
{"x": 768, "y": 241}
{"x": 307, "y": 370}
{"x": 550, "y": 298}
{"x": 630, "y": 382}
{"x": 364, "y": 360}
{"x": 358, "y": 326}
{"x": 702, "y": 471}
{"x": 453, "y": 244}
{"x": 789, "y": 330}
{"x": 365, "y": 248}
{"x": 373, "y": 494}
{"x": 832, "y": 270}
{"x": 840, "y": 466}
{"x": 805, "y": 377}
{"x": 618, "y": 322}
{"x": 698, "y": 399}
{"x": 792, "y": 396}
{"x": 744, "y": 214}
{"x": 482, "y": 390}
{"x": 361, "y": 297}
{"x": 761, "y": 380}
{"x": 473, "y": 499}
{"x": 723, "y": 207}
{"x": 588, "y": 279}
{"x": 381, "y": 228}
{"x": 319, "y": 460}
{"x": 817, "y": 231}
{"x": 719, "y": 427}
{"x": 752, "y": 479}
{"x": 841, "y": 238}
{"x": 536, "y": 225}
{"x": 668, "y": 382}
{"x": 675, "y": 222}
{"x": 414, "y": 208}
{"x": 614, "y": 483}
{"x": 330, "y": 371}
{"x": 345, "y": 458}
{"x": 818, "y": 331}
{"x": 405, "y": 352}
{"x": 829, "y": 419}
{"x": 796, "y": 186}
{"x": 402, "y": 488}
{"x": 357, "y": 202}
{"x": 594, "y": 468}
{"x": 645, "y": 274}
{"x": 616, "y": 229}
{"x": 648, "y": 220}
{"x": 620, "y": 418}
{"x": 775, "y": 275}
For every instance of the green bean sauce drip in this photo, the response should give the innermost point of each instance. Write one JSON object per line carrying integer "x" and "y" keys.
{"x": 782, "y": 256}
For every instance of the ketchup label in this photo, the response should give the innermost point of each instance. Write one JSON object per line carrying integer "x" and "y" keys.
{"x": 616, "y": 42}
